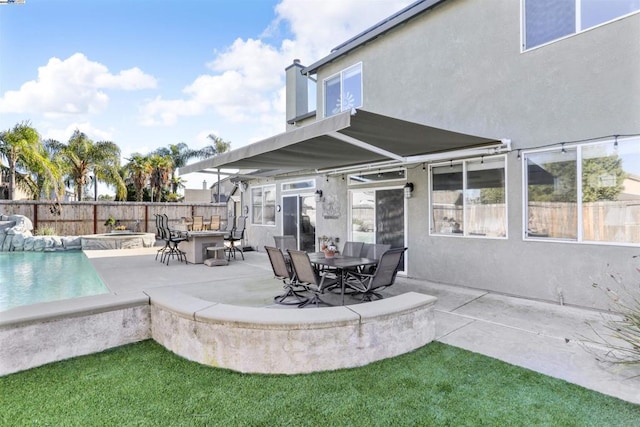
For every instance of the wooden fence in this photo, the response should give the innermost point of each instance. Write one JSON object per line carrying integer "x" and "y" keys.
{"x": 605, "y": 221}
{"x": 82, "y": 218}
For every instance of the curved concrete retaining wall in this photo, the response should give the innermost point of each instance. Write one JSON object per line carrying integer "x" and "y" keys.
{"x": 282, "y": 341}
{"x": 245, "y": 339}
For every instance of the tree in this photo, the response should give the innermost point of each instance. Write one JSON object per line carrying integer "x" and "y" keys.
{"x": 602, "y": 178}
{"x": 82, "y": 156}
{"x": 218, "y": 146}
{"x": 138, "y": 171}
{"x": 22, "y": 149}
{"x": 179, "y": 154}
{"x": 161, "y": 168}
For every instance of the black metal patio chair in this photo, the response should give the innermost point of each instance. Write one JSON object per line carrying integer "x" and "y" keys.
{"x": 235, "y": 238}
{"x": 174, "y": 238}
{"x": 384, "y": 276}
{"x": 310, "y": 278}
{"x": 283, "y": 271}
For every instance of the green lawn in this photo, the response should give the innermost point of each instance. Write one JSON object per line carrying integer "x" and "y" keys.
{"x": 144, "y": 384}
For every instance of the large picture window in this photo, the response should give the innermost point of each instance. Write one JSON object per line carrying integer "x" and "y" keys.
{"x": 263, "y": 205}
{"x": 585, "y": 193}
{"x": 343, "y": 91}
{"x": 548, "y": 20}
{"x": 468, "y": 198}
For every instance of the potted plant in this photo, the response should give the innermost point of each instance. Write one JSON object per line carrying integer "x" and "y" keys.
{"x": 110, "y": 223}
{"x": 328, "y": 247}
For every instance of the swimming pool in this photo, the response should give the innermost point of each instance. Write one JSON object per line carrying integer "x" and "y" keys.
{"x": 32, "y": 277}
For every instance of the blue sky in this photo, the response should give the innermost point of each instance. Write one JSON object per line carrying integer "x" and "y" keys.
{"x": 145, "y": 74}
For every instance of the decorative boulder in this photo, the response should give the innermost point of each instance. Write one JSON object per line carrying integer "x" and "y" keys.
{"x": 23, "y": 224}
{"x": 28, "y": 243}
{"x": 38, "y": 245}
{"x": 17, "y": 242}
{"x": 72, "y": 242}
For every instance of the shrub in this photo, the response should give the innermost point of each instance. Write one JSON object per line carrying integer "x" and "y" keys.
{"x": 45, "y": 231}
{"x": 622, "y": 340}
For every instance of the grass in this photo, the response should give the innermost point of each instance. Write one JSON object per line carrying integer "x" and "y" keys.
{"x": 145, "y": 385}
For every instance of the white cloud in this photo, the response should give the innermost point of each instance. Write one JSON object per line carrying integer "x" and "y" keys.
{"x": 247, "y": 80}
{"x": 75, "y": 85}
{"x": 93, "y": 133}
{"x": 321, "y": 25}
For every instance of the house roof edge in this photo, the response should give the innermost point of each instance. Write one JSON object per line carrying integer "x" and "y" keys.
{"x": 374, "y": 31}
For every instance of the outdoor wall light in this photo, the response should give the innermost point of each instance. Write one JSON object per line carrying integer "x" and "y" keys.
{"x": 318, "y": 195}
{"x": 408, "y": 189}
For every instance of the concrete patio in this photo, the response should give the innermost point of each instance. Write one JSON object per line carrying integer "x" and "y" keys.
{"x": 543, "y": 337}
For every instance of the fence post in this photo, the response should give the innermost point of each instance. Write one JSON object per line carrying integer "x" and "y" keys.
{"x": 95, "y": 218}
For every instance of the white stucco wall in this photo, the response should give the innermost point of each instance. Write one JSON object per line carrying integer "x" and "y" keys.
{"x": 460, "y": 67}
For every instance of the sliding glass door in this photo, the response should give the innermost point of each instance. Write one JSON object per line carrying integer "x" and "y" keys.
{"x": 377, "y": 216}
{"x": 299, "y": 220}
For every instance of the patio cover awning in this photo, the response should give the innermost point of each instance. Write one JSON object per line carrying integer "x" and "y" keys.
{"x": 340, "y": 141}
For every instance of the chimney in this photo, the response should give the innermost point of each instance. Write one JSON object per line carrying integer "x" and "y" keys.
{"x": 204, "y": 184}
{"x": 297, "y": 91}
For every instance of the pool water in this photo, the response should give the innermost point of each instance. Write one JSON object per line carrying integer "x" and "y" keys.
{"x": 32, "y": 277}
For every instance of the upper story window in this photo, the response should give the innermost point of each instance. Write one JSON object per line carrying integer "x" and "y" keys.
{"x": 468, "y": 198}
{"x": 343, "y": 91}
{"x": 584, "y": 193}
{"x": 548, "y": 20}
{"x": 263, "y": 205}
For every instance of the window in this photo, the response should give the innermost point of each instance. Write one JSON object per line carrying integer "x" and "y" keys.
{"x": 263, "y": 205}
{"x": 298, "y": 185}
{"x": 586, "y": 193}
{"x": 548, "y": 20}
{"x": 468, "y": 198}
{"x": 377, "y": 177}
{"x": 343, "y": 91}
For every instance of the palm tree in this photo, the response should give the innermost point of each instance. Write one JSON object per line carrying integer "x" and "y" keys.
{"x": 179, "y": 154}
{"x": 218, "y": 146}
{"x": 161, "y": 169}
{"x": 22, "y": 149}
{"x": 82, "y": 156}
{"x": 138, "y": 171}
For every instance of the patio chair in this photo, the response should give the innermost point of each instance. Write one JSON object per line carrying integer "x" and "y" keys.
{"x": 384, "y": 276}
{"x": 198, "y": 223}
{"x": 174, "y": 238}
{"x": 161, "y": 235}
{"x": 373, "y": 251}
{"x": 214, "y": 224}
{"x": 352, "y": 249}
{"x": 309, "y": 278}
{"x": 286, "y": 242}
{"x": 229, "y": 226}
{"x": 235, "y": 238}
{"x": 284, "y": 272}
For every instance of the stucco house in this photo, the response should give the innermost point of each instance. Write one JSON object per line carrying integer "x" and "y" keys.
{"x": 496, "y": 140}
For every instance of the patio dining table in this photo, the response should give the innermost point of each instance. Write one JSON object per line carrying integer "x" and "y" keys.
{"x": 341, "y": 264}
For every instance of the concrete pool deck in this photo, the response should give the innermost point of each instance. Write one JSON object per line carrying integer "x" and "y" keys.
{"x": 543, "y": 337}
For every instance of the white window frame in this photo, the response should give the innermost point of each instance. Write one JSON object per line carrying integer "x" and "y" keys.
{"x": 577, "y": 28}
{"x": 263, "y": 204}
{"x": 284, "y": 186}
{"x": 466, "y": 233}
{"x": 579, "y": 219}
{"x": 402, "y": 178}
{"x": 341, "y": 74}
